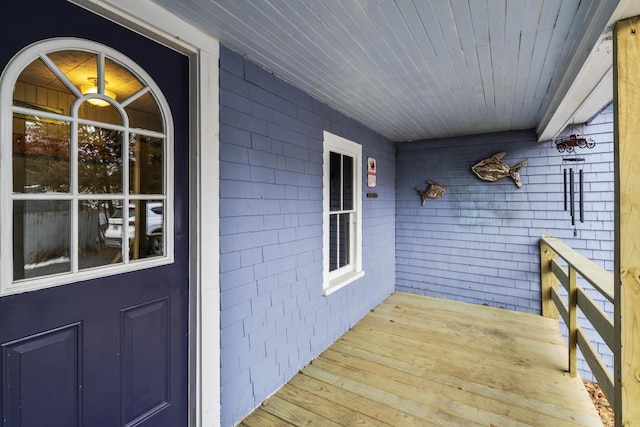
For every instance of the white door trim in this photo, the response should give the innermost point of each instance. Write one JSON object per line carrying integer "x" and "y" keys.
{"x": 149, "y": 19}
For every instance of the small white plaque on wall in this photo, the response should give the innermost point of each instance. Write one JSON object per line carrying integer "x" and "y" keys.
{"x": 371, "y": 172}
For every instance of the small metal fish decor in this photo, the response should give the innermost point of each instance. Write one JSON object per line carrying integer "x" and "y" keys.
{"x": 493, "y": 169}
{"x": 433, "y": 191}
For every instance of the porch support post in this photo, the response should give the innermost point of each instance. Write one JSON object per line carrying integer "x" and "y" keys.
{"x": 549, "y": 280}
{"x": 627, "y": 221}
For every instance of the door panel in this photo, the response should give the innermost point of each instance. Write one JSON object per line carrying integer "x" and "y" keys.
{"x": 43, "y": 371}
{"x": 113, "y": 350}
{"x": 145, "y": 353}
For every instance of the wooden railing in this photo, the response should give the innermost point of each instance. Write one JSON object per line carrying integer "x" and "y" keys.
{"x": 552, "y": 305}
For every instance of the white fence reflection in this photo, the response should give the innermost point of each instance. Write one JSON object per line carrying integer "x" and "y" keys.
{"x": 48, "y": 234}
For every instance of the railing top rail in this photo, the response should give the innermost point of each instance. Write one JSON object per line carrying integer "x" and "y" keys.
{"x": 597, "y": 276}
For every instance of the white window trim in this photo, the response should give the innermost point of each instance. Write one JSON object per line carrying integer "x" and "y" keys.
{"x": 338, "y": 279}
{"x": 8, "y": 80}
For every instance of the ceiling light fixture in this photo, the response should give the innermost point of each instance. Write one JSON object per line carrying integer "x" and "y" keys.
{"x": 93, "y": 88}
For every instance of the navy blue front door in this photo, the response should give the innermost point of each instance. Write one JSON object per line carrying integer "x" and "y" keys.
{"x": 109, "y": 351}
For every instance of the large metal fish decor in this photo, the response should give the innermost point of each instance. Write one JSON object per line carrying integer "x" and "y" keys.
{"x": 493, "y": 169}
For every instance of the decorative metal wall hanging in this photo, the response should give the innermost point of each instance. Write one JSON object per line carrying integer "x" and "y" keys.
{"x": 568, "y": 141}
{"x": 433, "y": 191}
{"x": 493, "y": 169}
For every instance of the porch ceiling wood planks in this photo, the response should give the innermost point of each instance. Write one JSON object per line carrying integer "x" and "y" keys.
{"x": 415, "y": 69}
{"x": 417, "y": 360}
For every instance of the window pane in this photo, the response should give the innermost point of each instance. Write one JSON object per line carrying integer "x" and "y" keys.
{"x": 121, "y": 80}
{"x": 41, "y": 236}
{"x": 40, "y": 155}
{"x": 347, "y": 183}
{"x": 113, "y": 229}
{"x": 335, "y": 182}
{"x": 79, "y": 66}
{"x": 146, "y": 236}
{"x": 38, "y": 86}
{"x": 142, "y": 242}
{"x": 146, "y": 165}
{"x": 104, "y": 113}
{"x": 144, "y": 113}
{"x": 82, "y": 69}
{"x": 94, "y": 220}
{"x": 344, "y": 233}
{"x": 99, "y": 160}
{"x": 333, "y": 242}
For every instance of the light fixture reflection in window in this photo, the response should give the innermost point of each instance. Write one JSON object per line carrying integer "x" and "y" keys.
{"x": 93, "y": 88}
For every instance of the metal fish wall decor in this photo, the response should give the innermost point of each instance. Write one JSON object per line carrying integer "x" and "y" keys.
{"x": 433, "y": 191}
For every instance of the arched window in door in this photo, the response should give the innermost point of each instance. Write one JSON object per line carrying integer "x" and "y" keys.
{"x": 85, "y": 168}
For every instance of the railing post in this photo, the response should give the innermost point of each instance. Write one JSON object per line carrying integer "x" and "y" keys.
{"x": 573, "y": 322}
{"x": 626, "y": 68}
{"x": 548, "y": 280}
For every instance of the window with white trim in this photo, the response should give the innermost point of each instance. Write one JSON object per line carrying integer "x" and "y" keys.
{"x": 342, "y": 222}
{"x": 85, "y": 174}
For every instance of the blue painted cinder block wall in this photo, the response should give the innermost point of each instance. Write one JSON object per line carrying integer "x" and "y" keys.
{"x": 274, "y": 317}
{"x": 479, "y": 243}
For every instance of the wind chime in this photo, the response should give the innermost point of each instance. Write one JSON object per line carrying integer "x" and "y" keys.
{"x": 570, "y": 192}
{"x": 569, "y": 143}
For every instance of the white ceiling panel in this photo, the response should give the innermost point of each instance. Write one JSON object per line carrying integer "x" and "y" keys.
{"x": 417, "y": 69}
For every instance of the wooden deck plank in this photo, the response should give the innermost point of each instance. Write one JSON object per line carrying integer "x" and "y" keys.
{"x": 388, "y": 379}
{"x": 417, "y": 360}
{"x": 317, "y": 404}
{"x": 383, "y": 414}
{"x": 506, "y": 318}
{"x": 261, "y": 418}
{"x": 519, "y": 406}
{"x": 423, "y": 412}
{"x": 469, "y": 326}
{"x": 466, "y": 349}
{"x": 479, "y": 318}
{"x": 477, "y": 368}
{"x": 496, "y": 362}
{"x": 472, "y": 333}
{"x": 293, "y": 413}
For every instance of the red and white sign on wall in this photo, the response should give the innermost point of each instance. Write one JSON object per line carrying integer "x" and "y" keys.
{"x": 371, "y": 172}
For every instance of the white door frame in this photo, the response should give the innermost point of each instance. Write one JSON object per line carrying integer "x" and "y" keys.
{"x": 149, "y": 19}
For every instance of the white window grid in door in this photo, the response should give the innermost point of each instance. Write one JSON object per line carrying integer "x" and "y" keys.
{"x": 74, "y": 197}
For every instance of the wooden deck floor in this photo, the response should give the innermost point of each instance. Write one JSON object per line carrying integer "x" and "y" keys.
{"x": 420, "y": 361}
